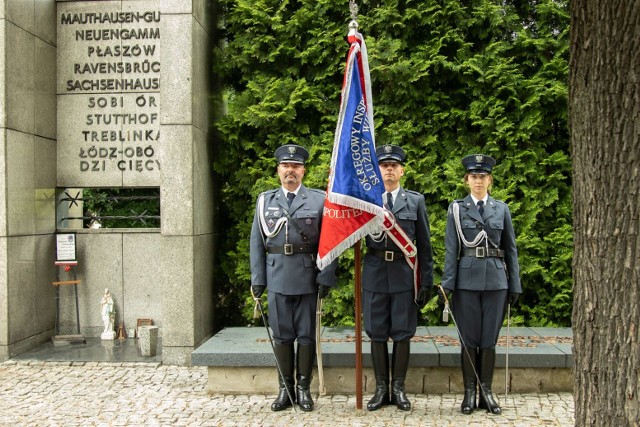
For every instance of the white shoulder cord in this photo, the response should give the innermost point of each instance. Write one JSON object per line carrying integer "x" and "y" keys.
{"x": 479, "y": 237}
{"x": 378, "y": 237}
{"x": 382, "y": 235}
{"x": 263, "y": 224}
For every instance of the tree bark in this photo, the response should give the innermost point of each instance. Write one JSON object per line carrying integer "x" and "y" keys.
{"x": 604, "y": 117}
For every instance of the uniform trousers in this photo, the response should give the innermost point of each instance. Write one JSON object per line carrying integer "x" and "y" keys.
{"x": 479, "y": 315}
{"x": 392, "y": 316}
{"x": 293, "y": 317}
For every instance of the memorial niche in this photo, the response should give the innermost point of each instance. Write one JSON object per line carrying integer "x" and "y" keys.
{"x": 115, "y": 207}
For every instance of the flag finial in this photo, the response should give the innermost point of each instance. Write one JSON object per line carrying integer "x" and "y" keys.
{"x": 353, "y": 7}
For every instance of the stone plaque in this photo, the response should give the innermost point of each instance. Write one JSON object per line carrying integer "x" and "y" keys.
{"x": 108, "y": 90}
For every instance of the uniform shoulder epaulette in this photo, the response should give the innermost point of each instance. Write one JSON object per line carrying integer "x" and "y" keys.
{"x": 315, "y": 190}
{"x": 450, "y": 210}
{"x": 499, "y": 201}
{"x": 414, "y": 192}
{"x": 264, "y": 193}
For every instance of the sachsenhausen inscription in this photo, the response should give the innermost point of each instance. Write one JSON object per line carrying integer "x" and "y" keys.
{"x": 108, "y": 93}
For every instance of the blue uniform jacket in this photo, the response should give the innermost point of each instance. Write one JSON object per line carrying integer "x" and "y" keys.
{"x": 480, "y": 274}
{"x": 289, "y": 274}
{"x": 391, "y": 277}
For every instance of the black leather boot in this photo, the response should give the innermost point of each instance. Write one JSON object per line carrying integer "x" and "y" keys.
{"x": 306, "y": 354}
{"x": 380, "y": 359}
{"x": 469, "y": 380}
{"x": 399, "y": 366}
{"x": 284, "y": 355}
{"x": 487, "y": 363}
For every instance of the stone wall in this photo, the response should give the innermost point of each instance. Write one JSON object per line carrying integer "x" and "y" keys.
{"x": 27, "y": 173}
{"x": 108, "y": 94}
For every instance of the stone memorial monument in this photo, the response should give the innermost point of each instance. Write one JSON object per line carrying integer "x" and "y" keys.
{"x": 110, "y": 94}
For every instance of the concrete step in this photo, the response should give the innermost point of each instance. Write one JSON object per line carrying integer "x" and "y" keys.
{"x": 240, "y": 361}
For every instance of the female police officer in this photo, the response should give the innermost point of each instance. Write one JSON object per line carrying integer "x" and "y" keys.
{"x": 481, "y": 269}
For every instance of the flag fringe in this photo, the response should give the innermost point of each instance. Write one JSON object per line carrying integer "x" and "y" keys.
{"x": 370, "y": 227}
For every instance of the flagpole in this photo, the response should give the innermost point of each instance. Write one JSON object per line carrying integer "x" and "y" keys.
{"x": 353, "y": 208}
{"x": 358, "y": 337}
{"x": 353, "y": 26}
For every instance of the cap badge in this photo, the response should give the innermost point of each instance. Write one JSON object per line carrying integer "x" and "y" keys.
{"x": 479, "y": 158}
{"x": 387, "y": 149}
{"x": 291, "y": 149}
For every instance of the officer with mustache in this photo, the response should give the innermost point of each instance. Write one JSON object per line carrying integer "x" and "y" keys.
{"x": 283, "y": 247}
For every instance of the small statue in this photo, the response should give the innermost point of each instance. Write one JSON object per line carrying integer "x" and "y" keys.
{"x": 108, "y": 315}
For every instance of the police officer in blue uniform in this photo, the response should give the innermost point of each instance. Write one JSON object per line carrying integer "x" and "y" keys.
{"x": 481, "y": 270}
{"x": 390, "y": 303}
{"x": 283, "y": 247}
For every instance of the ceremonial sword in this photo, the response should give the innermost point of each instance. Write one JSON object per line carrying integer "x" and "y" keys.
{"x": 273, "y": 349}
{"x": 475, "y": 372}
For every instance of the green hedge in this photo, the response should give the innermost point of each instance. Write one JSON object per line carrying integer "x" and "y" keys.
{"x": 449, "y": 78}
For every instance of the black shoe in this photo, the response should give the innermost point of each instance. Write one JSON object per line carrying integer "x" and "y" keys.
{"x": 303, "y": 395}
{"x": 282, "y": 402}
{"x": 488, "y": 402}
{"x": 468, "y": 402}
{"x": 399, "y": 398}
{"x": 380, "y": 398}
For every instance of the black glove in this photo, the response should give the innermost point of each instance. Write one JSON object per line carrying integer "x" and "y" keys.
{"x": 323, "y": 291}
{"x": 257, "y": 290}
{"x": 441, "y": 296}
{"x": 424, "y": 294}
{"x": 513, "y": 298}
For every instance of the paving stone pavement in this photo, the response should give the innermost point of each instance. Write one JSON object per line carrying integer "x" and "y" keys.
{"x": 35, "y": 393}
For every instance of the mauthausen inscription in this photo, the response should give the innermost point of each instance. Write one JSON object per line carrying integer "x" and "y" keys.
{"x": 109, "y": 18}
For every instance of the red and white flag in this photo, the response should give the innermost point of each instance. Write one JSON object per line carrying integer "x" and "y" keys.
{"x": 353, "y": 208}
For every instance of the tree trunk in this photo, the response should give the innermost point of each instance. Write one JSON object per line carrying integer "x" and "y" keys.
{"x": 604, "y": 116}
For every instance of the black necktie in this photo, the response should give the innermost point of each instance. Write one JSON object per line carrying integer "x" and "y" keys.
{"x": 481, "y": 207}
{"x": 290, "y": 197}
{"x": 390, "y": 200}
